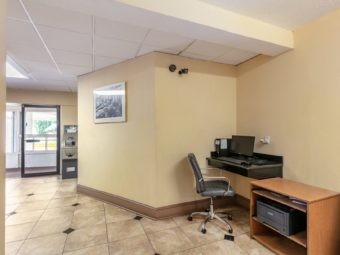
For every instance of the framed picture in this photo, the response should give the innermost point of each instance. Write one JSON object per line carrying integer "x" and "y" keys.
{"x": 109, "y": 103}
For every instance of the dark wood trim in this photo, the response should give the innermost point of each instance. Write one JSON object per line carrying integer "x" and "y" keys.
{"x": 164, "y": 211}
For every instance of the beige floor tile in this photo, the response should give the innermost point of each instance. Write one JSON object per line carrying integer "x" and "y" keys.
{"x": 61, "y": 194}
{"x": 47, "y": 245}
{"x": 124, "y": 229}
{"x": 58, "y": 213}
{"x": 86, "y": 237}
{"x": 15, "y": 200}
{"x": 62, "y": 202}
{"x": 138, "y": 245}
{"x": 83, "y": 199}
{"x": 251, "y": 246}
{"x": 183, "y": 220}
{"x": 32, "y": 206}
{"x": 221, "y": 248}
{"x": 169, "y": 241}
{"x": 213, "y": 234}
{"x": 13, "y": 247}
{"x": 194, "y": 251}
{"x": 83, "y": 220}
{"x": 18, "y": 232}
{"x": 40, "y": 197}
{"x": 51, "y": 226}
{"x": 11, "y": 208}
{"x": 24, "y": 217}
{"x": 94, "y": 250}
{"x": 115, "y": 214}
{"x": 89, "y": 209}
{"x": 157, "y": 225}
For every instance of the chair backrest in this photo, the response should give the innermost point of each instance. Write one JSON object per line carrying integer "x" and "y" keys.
{"x": 200, "y": 187}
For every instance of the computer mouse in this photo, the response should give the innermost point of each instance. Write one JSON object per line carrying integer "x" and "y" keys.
{"x": 246, "y": 164}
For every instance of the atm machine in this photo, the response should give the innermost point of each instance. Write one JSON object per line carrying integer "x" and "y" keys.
{"x": 70, "y": 152}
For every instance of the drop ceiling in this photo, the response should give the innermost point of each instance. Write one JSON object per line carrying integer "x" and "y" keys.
{"x": 56, "y": 41}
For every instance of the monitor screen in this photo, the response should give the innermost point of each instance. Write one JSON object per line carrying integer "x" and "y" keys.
{"x": 242, "y": 145}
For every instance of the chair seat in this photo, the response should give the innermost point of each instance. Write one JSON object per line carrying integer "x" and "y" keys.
{"x": 217, "y": 188}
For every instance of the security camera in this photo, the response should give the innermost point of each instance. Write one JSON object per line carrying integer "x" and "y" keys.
{"x": 183, "y": 71}
{"x": 172, "y": 68}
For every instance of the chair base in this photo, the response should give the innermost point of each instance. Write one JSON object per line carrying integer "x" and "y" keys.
{"x": 210, "y": 215}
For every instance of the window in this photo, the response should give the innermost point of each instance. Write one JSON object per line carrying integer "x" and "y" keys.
{"x": 10, "y": 132}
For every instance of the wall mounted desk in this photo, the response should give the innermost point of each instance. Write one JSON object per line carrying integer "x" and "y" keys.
{"x": 254, "y": 171}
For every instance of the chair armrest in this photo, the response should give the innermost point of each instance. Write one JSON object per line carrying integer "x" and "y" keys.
{"x": 207, "y": 178}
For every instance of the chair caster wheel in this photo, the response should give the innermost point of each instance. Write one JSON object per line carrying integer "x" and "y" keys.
{"x": 189, "y": 218}
{"x": 204, "y": 231}
{"x": 230, "y": 217}
{"x": 230, "y": 231}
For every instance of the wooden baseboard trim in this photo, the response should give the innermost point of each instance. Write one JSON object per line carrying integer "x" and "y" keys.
{"x": 242, "y": 201}
{"x": 165, "y": 211}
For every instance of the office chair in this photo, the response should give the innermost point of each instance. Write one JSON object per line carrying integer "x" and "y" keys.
{"x": 215, "y": 187}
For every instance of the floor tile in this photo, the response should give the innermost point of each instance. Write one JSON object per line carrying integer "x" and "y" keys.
{"x": 89, "y": 209}
{"x": 183, "y": 220}
{"x": 194, "y": 251}
{"x": 157, "y": 225}
{"x": 51, "y": 245}
{"x": 115, "y": 214}
{"x": 62, "y": 202}
{"x": 124, "y": 229}
{"x": 86, "y": 237}
{"x": 13, "y": 247}
{"x": 169, "y": 241}
{"x": 15, "y": 200}
{"x": 197, "y": 238}
{"x": 94, "y": 250}
{"x": 83, "y": 220}
{"x": 11, "y": 208}
{"x": 138, "y": 245}
{"x": 24, "y": 217}
{"x": 32, "y": 206}
{"x": 51, "y": 226}
{"x": 40, "y": 197}
{"x": 251, "y": 246}
{"x": 18, "y": 232}
{"x": 221, "y": 248}
{"x": 58, "y": 212}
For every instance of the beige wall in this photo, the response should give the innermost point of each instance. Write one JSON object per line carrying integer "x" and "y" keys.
{"x": 120, "y": 158}
{"x": 67, "y": 101}
{"x": 168, "y": 116}
{"x": 2, "y": 122}
{"x": 191, "y": 111}
{"x": 294, "y": 98}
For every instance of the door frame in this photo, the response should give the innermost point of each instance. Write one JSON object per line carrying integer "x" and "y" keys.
{"x": 23, "y": 128}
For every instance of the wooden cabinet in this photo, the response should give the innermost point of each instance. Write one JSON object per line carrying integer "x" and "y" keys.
{"x": 322, "y": 209}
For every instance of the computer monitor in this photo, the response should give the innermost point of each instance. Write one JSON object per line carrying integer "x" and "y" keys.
{"x": 242, "y": 145}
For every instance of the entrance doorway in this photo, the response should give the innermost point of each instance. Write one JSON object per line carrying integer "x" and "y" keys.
{"x": 40, "y": 142}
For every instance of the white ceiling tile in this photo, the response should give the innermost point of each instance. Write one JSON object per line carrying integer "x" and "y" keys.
{"x": 59, "y": 18}
{"x": 72, "y": 58}
{"x": 31, "y": 66}
{"x": 235, "y": 57}
{"x": 23, "y": 33}
{"x": 47, "y": 76}
{"x": 117, "y": 30}
{"x": 150, "y": 48}
{"x": 166, "y": 40}
{"x": 52, "y": 83}
{"x": 207, "y": 49}
{"x": 101, "y": 61}
{"x": 66, "y": 40}
{"x": 15, "y": 10}
{"x": 115, "y": 48}
{"x": 75, "y": 70}
{"x": 195, "y": 55}
{"x": 28, "y": 53}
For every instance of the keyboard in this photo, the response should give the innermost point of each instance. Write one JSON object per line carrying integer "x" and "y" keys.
{"x": 232, "y": 160}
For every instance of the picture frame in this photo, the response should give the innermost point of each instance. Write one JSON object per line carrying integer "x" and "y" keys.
{"x": 110, "y": 103}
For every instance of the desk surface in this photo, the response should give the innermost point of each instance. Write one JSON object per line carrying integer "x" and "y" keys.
{"x": 252, "y": 171}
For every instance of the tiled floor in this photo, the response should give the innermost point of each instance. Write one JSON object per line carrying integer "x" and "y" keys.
{"x": 45, "y": 216}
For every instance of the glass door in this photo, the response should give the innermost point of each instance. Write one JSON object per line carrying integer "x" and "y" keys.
{"x": 40, "y": 140}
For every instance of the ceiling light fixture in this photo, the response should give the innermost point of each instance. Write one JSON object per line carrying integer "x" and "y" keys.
{"x": 13, "y": 70}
